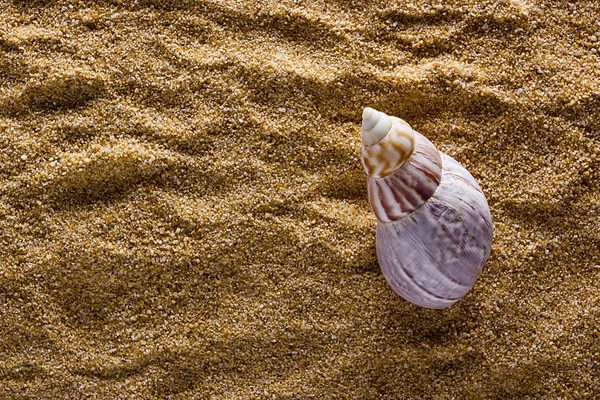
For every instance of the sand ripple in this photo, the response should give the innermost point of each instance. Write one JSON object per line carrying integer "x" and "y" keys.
{"x": 183, "y": 213}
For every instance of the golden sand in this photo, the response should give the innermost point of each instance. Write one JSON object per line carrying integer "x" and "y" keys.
{"x": 183, "y": 213}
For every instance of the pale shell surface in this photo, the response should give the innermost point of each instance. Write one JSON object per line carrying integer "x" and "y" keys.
{"x": 434, "y": 230}
{"x": 432, "y": 256}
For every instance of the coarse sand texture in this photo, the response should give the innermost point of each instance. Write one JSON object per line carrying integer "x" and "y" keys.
{"x": 184, "y": 213}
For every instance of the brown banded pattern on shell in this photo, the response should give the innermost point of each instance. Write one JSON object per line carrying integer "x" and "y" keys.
{"x": 383, "y": 155}
{"x": 408, "y": 187}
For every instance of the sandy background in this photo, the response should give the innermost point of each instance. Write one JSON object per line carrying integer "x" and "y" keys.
{"x": 183, "y": 213}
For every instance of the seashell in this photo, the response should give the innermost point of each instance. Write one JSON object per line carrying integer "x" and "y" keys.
{"x": 434, "y": 230}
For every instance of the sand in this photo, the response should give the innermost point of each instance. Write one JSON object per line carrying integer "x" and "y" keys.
{"x": 183, "y": 214}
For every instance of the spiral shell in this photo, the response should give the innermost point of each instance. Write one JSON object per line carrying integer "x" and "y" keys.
{"x": 434, "y": 230}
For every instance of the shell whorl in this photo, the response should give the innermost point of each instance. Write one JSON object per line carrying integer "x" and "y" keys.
{"x": 388, "y": 143}
{"x": 403, "y": 167}
{"x": 408, "y": 187}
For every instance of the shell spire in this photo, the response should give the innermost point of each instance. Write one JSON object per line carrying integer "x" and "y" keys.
{"x": 403, "y": 167}
{"x": 388, "y": 143}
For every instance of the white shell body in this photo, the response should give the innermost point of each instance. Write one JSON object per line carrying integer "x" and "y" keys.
{"x": 434, "y": 232}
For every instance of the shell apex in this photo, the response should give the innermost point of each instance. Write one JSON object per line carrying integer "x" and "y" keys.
{"x": 388, "y": 143}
